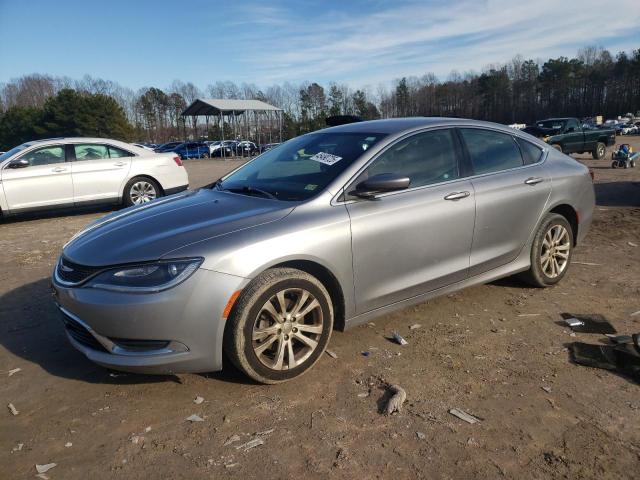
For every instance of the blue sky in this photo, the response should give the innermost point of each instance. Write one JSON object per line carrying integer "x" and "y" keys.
{"x": 142, "y": 43}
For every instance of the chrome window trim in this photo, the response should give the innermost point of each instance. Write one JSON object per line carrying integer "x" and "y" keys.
{"x": 336, "y": 202}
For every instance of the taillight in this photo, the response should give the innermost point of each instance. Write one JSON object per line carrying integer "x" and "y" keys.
{"x": 178, "y": 161}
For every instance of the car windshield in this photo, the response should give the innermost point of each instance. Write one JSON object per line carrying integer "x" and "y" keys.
{"x": 552, "y": 124}
{"x": 13, "y": 151}
{"x": 299, "y": 168}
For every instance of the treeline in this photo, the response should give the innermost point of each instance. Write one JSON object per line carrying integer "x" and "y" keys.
{"x": 593, "y": 83}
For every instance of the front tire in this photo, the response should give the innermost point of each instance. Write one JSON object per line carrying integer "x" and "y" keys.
{"x": 279, "y": 326}
{"x": 600, "y": 151}
{"x": 141, "y": 190}
{"x": 551, "y": 252}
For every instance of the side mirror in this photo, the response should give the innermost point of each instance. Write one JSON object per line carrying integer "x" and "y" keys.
{"x": 19, "y": 163}
{"x": 381, "y": 183}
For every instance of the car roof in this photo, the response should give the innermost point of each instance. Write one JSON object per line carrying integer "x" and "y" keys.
{"x": 116, "y": 143}
{"x": 398, "y": 125}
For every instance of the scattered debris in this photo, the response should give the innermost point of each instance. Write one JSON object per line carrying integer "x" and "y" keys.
{"x": 231, "y": 439}
{"x": 589, "y": 264}
{"x": 13, "y": 371}
{"x": 462, "y": 415}
{"x": 631, "y": 244}
{"x": 135, "y": 439}
{"x": 399, "y": 340}
{"x": 256, "y": 442}
{"x": 588, "y": 323}
{"x": 195, "y": 418}
{"x": 623, "y": 358}
{"x": 421, "y": 435}
{"x": 635, "y": 313}
{"x": 620, "y": 338}
{"x": 266, "y": 432}
{"x": 231, "y": 465}
{"x": 529, "y": 314}
{"x": 68, "y": 445}
{"x": 18, "y": 447}
{"x": 12, "y": 409}
{"x": 546, "y": 389}
{"x": 397, "y": 399}
{"x": 147, "y": 430}
{"x": 365, "y": 354}
{"x": 198, "y": 400}
{"x": 363, "y": 394}
{"x": 45, "y": 468}
{"x": 331, "y": 353}
{"x": 42, "y": 476}
{"x": 415, "y": 326}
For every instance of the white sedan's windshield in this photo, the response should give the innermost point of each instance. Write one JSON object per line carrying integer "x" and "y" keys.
{"x": 300, "y": 168}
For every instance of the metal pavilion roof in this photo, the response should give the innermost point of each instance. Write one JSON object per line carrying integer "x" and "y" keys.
{"x": 218, "y": 106}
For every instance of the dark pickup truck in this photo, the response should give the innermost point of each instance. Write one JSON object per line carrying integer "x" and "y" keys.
{"x": 569, "y": 136}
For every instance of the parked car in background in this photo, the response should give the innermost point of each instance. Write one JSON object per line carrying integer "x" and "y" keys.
{"x": 569, "y": 136}
{"x": 629, "y": 129}
{"x": 232, "y": 145}
{"x": 67, "y": 172}
{"x": 268, "y": 146}
{"x": 247, "y": 148}
{"x": 167, "y": 147}
{"x": 331, "y": 229}
{"x": 188, "y": 150}
{"x": 216, "y": 149}
{"x": 142, "y": 145}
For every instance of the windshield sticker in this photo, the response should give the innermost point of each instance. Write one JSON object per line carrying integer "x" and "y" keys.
{"x": 311, "y": 187}
{"x": 325, "y": 158}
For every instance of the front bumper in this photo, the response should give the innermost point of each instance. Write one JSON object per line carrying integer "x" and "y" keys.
{"x": 174, "y": 331}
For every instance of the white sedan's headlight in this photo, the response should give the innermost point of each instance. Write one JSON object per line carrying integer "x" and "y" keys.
{"x": 146, "y": 278}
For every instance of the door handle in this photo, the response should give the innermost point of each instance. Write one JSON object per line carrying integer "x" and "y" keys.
{"x": 59, "y": 169}
{"x": 120, "y": 164}
{"x": 533, "y": 180}
{"x": 457, "y": 195}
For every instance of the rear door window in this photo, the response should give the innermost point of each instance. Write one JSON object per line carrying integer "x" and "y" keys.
{"x": 90, "y": 151}
{"x": 115, "y": 152}
{"x": 491, "y": 151}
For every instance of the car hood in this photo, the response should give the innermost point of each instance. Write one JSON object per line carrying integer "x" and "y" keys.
{"x": 148, "y": 232}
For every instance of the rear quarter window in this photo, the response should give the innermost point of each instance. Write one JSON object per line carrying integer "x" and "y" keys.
{"x": 530, "y": 153}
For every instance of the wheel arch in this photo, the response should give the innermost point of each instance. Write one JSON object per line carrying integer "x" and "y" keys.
{"x": 570, "y": 214}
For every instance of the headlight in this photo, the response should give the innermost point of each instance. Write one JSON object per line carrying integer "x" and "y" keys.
{"x": 146, "y": 278}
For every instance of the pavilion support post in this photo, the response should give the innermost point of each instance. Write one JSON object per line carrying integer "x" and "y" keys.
{"x": 280, "y": 124}
{"x": 222, "y": 149}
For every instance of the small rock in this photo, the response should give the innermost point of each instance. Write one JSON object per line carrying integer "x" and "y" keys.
{"x": 12, "y": 409}
{"x": 135, "y": 439}
{"x": 195, "y": 418}
{"x": 363, "y": 394}
{"x": 266, "y": 432}
{"x": 415, "y": 326}
{"x": 547, "y": 389}
{"x": 68, "y": 444}
{"x": 198, "y": 400}
{"x": 45, "y": 468}
{"x": 331, "y": 353}
{"x": 231, "y": 465}
{"x": 147, "y": 430}
{"x": 421, "y": 435}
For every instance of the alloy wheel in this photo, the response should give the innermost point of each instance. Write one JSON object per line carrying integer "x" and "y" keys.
{"x": 142, "y": 192}
{"x": 601, "y": 151}
{"x": 287, "y": 329}
{"x": 554, "y": 256}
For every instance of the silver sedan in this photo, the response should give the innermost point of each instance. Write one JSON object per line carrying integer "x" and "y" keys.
{"x": 327, "y": 230}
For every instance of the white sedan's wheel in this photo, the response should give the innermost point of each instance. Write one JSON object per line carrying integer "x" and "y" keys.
{"x": 141, "y": 190}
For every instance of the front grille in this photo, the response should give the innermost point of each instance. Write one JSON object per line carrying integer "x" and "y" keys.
{"x": 73, "y": 273}
{"x": 81, "y": 334}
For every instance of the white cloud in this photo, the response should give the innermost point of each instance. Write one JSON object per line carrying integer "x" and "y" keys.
{"x": 418, "y": 37}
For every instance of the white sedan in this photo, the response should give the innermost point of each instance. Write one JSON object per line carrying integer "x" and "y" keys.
{"x": 67, "y": 172}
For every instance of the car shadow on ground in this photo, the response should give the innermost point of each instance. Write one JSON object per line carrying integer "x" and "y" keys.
{"x": 618, "y": 194}
{"x": 31, "y": 329}
{"x": 55, "y": 213}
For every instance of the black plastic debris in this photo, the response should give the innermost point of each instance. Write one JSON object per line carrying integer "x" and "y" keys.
{"x": 618, "y": 339}
{"x": 623, "y": 358}
{"x": 588, "y": 323}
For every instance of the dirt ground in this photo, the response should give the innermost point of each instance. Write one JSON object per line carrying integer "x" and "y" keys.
{"x": 495, "y": 351}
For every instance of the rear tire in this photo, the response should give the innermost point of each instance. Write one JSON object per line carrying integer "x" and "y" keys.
{"x": 141, "y": 190}
{"x": 600, "y": 151}
{"x": 551, "y": 252}
{"x": 279, "y": 326}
